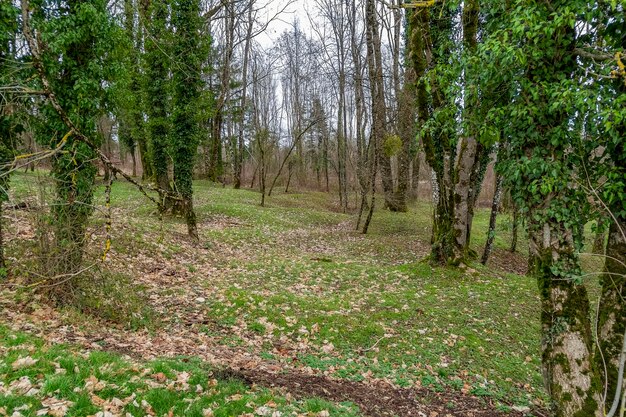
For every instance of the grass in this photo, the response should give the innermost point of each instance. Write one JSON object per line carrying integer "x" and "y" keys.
{"x": 293, "y": 283}
{"x": 35, "y": 376}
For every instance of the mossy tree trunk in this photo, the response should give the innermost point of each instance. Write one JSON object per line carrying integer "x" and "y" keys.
{"x": 186, "y": 102}
{"x": 76, "y": 80}
{"x": 491, "y": 232}
{"x": 425, "y": 33}
{"x": 539, "y": 168}
{"x": 157, "y": 78}
{"x": 8, "y": 127}
{"x": 407, "y": 133}
{"x": 566, "y": 344}
{"x": 471, "y": 155}
{"x": 612, "y": 314}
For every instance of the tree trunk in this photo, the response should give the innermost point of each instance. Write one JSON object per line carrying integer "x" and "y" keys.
{"x": 407, "y": 132}
{"x": 375, "y": 70}
{"x": 599, "y": 241}
{"x": 415, "y": 174}
{"x": 3, "y": 264}
{"x": 612, "y": 314}
{"x": 466, "y": 157}
{"x": 244, "y": 76}
{"x": 157, "y": 74}
{"x": 146, "y": 165}
{"x": 134, "y": 159}
{"x": 491, "y": 233}
{"x": 216, "y": 164}
{"x": 515, "y": 231}
{"x": 359, "y": 104}
{"x": 567, "y": 342}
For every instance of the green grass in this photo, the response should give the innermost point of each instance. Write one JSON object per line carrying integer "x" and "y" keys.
{"x": 294, "y": 283}
{"x": 87, "y": 383}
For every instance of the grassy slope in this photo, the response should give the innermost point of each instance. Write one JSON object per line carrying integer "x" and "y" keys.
{"x": 36, "y": 377}
{"x": 360, "y": 307}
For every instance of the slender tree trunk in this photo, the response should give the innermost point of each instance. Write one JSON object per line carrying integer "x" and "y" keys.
{"x": 341, "y": 141}
{"x": 216, "y": 164}
{"x": 252, "y": 181}
{"x": 479, "y": 170}
{"x": 374, "y": 169}
{"x": 244, "y": 76}
{"x": 415, "y": 174}
{"x": 3, "y": 264}
{"x": 134, "y": 160}
{"x": 491, "y": 233}
{"x": 515, "y": 231}
{"x": 374, "y": 64}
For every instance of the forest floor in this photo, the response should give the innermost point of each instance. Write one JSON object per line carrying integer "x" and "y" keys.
{"x": 279, "y": 310}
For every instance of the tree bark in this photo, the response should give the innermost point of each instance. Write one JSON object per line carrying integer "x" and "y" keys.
{"x": 216, "y": 164}
{"x": 612, "y": 313}
{"x": 468, "y": 148}
{"x": 566, "y": 347}
{"x": 491, "y": 233}
{"x": 515, "y": 231}
{"x": 244, "y": 76}
{"x": 359, "y": 104}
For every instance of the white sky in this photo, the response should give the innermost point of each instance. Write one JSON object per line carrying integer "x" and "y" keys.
{"x": 294, "y": 9}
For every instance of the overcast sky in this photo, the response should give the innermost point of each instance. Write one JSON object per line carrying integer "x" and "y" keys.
{"x": 296, "y": 10}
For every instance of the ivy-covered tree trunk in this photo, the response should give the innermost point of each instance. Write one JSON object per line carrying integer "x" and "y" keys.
{"x": 76, "y": 81}
{"x": 8, "y": 127}
{"x": 156, "y": 87}
{"x": 188, "y": 83}
{"x": 131, "y": 128}
{"x": 540, "y": 168}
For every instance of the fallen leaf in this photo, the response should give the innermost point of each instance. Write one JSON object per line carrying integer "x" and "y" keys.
{"x": 24, "y": 362}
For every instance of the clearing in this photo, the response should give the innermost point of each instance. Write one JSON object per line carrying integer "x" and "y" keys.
{"x": 286, "y": 296}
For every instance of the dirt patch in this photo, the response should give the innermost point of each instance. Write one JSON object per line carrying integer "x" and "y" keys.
{"x": 512, "y": 262}
{"x": 377, "y": 399}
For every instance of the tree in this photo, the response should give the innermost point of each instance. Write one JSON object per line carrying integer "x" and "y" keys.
{"x": 9, "y": 126}
{"x": 239, "y": 154}
{"x": 132, "y": 131}
{"x": 76, "y": 66}
{"x": 335, "y": 13}
{"x": 609, "y": 189}
{"x": 453, "y": 149}
{"x": 156, "y": 87}
{"x": 187, "y": 79}
{"x": 540, "y": 124}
